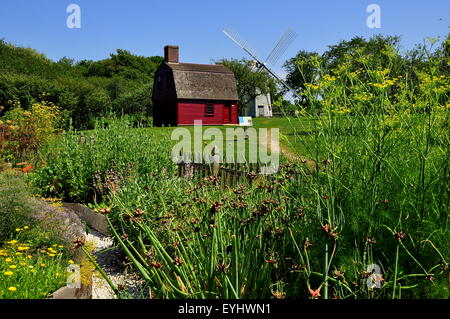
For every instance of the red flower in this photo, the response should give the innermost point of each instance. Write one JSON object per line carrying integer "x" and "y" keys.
{"x": 177, "y": 261}
{"x": 105, "y": 211}
{"x": 79, "y": 242}
{"x": 27, "y": 168}
{"x": 315, "y": 294}
{"x": 156, "y": 265}
{"x": 400, "y": 235}
{"x": 138, "y": 212}
{"x": 328, "y": 231}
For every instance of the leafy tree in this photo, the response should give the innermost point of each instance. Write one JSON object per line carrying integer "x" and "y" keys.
{"x": 306, "y": 66}
{"x": 250, "y": 83}
{"x": 120, "y": 84}
{"x": 300, "y": 70}
{"x": 381, "y": 50}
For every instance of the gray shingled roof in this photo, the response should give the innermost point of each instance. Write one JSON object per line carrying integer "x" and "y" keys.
{"x": 204, "y": 81}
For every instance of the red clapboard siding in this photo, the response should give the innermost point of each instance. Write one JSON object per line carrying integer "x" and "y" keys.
{"x": 188, "y": 112}
{"x": 234, "y": 114}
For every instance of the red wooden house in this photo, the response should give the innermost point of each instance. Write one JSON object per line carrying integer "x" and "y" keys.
{"x": 184, "y": 92}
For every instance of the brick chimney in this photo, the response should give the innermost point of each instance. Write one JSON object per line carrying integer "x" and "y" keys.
{"x": 171, "y": 54}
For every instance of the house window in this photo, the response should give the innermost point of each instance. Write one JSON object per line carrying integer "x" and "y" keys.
{"x": 209, "y": 110}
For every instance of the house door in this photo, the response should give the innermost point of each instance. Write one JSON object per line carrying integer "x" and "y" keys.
{"x": 226, "y": 113}
{"x": 260, "y": 111}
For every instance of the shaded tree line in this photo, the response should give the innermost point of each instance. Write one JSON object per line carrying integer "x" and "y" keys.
{"x": 380, "y": 52}
{"x": 85, "y": 90}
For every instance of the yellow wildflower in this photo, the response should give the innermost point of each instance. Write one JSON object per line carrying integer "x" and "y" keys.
{"x": 12, "y": 289}
{"x": 8, "y": 273}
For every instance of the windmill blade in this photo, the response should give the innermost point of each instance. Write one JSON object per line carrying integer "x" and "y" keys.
{"x": 282, "y": 82}
{"x": 278, "y": 50}
{"x": 282, "y": 48}
{"x": 236, "y": 38}
{"x": 285, "y": 41}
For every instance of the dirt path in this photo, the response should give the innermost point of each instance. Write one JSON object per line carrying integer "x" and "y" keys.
{"x": 289, "y": 154}
{"x": 110, "y": 259}
{"x": 67, "y": 225}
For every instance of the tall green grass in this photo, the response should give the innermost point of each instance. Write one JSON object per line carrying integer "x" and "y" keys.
{"x": 369, "y": 186}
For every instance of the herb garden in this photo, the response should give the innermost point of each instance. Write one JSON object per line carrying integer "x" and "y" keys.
{"x": 358, "y": 209}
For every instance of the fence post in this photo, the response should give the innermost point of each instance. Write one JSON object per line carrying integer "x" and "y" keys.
{"x": 82, "y": 138}
{"x": 180, "y": 164}
{"x": 215, "y": 161}
{"x": 226, "y": 172}
{"x": 189, "y": 167}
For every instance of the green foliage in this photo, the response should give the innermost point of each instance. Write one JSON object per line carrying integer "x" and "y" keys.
{"x": 250, "y": 83}
{"x": 367, "y": 184}
{"x": 121, "y": 84}
{"x": 364, "y": 177}
{"x": 299, "y": 71}
{"x": 380, "y": 48}
{"x": 14, "y": 208}
{"x": 355, "y": 57}
{"x": 79, "y": 171}
{"x": 30, "y": 268}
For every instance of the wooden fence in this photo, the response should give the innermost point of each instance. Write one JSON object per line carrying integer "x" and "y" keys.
{"x": 193, "y": 165}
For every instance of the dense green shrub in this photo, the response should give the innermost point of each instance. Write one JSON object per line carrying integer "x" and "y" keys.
{"x": 121, "y": 84}
{"x": 15, "y": 209}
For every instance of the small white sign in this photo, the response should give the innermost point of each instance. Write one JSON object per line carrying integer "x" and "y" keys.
{"x": 245, "y": 121}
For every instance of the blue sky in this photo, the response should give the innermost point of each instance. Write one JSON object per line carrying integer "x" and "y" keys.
{"x": 144, "y": 27}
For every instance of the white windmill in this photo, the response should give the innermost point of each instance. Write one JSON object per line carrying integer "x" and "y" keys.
{"x": 262, "y": 105}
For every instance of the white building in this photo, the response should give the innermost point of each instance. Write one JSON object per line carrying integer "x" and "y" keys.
{"x": 261, "y": 106}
